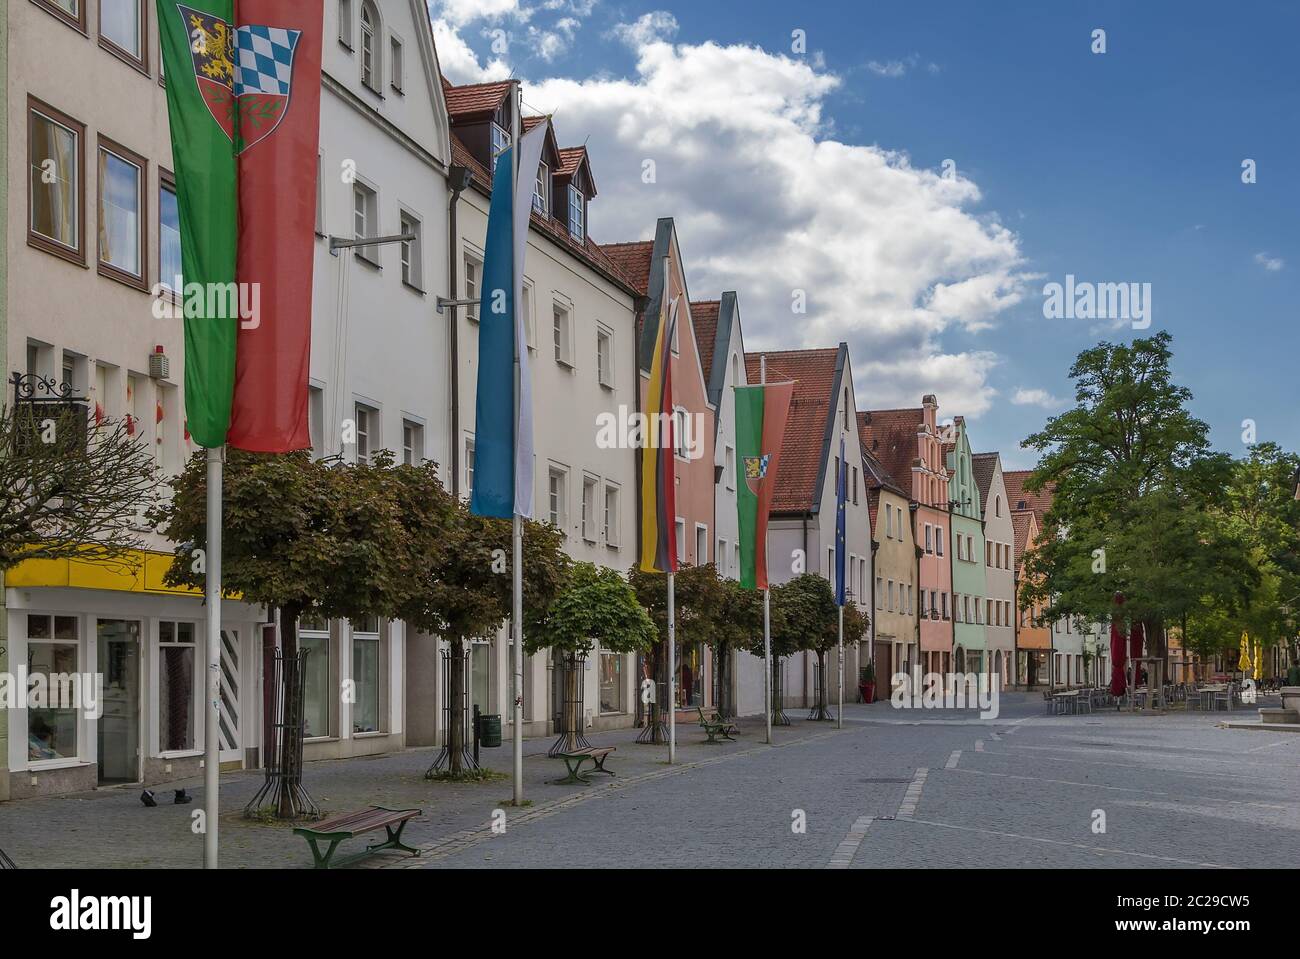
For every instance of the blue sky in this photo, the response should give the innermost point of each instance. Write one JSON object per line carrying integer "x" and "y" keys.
{"x": 1123, "y": 166}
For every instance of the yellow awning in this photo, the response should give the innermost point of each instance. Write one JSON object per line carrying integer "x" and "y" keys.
{"x": 141, "y": 571}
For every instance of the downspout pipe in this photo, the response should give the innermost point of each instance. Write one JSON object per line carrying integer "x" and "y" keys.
{"x": 458, "y": 179}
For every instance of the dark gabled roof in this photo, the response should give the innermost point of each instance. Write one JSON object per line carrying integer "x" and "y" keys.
{"x": 890, "y": 436}
{"x": 876, "y": 475}
{"x": 984, "y": 465}
{"x": 704, "y": 316}
{"x": 587, "y": 250}
{"x": 572, "y": 159}
{"x": 725, "y": 320}
{"x": 805, "y": 448}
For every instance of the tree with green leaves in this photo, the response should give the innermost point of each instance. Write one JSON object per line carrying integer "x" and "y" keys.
{"x": 460, "y": 587}
{"x": 305, "y": 536}
{"x": 738, "y": 625}
{"x": 1257, "y": 509}
{"x": 696, "y": 599}
{"x": 595, "y": 606}
{"x": 1133, "y": 476}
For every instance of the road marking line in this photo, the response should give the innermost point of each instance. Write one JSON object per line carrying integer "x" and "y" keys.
{"x": 952, "y": 760}
{"x": 1075, "y": 845}
{"x": 1280, "y": 742}
{"x": 907, "y": 807}
{"x": 842, "y": 858}
{"x": 979, "y": 745}
{"x": 1125, "y": 789}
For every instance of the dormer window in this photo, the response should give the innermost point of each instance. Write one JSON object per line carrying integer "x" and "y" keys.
{"x": 500, "y": 140}
{"x": 577, "y": 217}
{"x": 541, "y": 190}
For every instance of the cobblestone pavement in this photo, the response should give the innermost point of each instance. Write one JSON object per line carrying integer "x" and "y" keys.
{"x": 892, "y": 789}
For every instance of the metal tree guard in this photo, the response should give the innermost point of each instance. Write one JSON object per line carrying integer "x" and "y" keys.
{"x": 655, "y": 732}
{"x": 817, "y": 713}
{"x": 569, "y": 698}
{"x": 779, "y": 718}
{"x": 285, "y": 728}
{"x": 458, "y": 714}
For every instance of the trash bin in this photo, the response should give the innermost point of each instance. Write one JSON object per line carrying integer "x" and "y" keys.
{"x": 489, "y": 729}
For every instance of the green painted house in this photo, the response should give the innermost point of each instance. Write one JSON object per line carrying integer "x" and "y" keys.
{"x": 967, "y": 553}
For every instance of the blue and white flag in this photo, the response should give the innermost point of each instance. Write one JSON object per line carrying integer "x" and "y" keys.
{"x": 841, "y": 483}
{"x": 503, "y": 448}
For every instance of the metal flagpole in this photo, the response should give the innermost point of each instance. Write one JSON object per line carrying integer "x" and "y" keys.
{"x": 767, "y": 598}
{"x": 517, "y": 567}
{"x": 840, "y": 724}
{"x": 211, "y": 719}
{"x": 767, "y": 663}
{"x": 672, "y": 673}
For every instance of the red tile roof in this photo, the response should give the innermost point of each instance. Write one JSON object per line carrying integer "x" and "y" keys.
{"x": 588, "y": 250}
{"x": 570, "y": 158}
{"x": 890, "y": 436}
{"x": 633, "y": 259}
{"x": 801, "y": 449}
{"x": 1020, "y": 522}
{"x": 474, "y": 100}
{"x": 704, "y": 317}
{"x": 1017, "y": 495}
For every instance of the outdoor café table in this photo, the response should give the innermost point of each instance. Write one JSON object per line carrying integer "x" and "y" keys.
{"x": 1207, "y": 696}
{"x": 1067, "y": 701}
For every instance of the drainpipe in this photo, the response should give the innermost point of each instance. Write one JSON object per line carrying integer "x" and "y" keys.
{"x": 458, "y": 179}
{"x": 639, "y": 305}
{"x": 913, "y": 507}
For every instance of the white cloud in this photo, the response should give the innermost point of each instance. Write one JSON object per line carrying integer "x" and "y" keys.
{"x": 459, "y": 62}
{"x": 1035, "y": 397}
{"x": 768, "y": 202}
{"x": 897, "y": 68}
{"x": 1270, "y": 263}
{"x": 647, "y": 28}
{"x": 460, "y": 12}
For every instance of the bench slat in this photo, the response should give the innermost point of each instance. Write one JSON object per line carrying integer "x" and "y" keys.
{"x": 362, "y": 820}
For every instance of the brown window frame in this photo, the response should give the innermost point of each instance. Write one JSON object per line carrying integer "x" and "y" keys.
{"x": 166, "y": 181}
{"x": 37, "y": 240}
{"x": 107, "y": 269}
{"x": 78, "y": 23}
{"x": 140, "y": 63}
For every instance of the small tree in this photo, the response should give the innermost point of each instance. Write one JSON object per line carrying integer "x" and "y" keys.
{"x": 302, "y": 535}
{"x": 739, "y": 623}
{"x": 461, "y": 587}
{"x": 69, "y": 490}
{"x": 695, "y": 605}
{"x": 594, "y": 606}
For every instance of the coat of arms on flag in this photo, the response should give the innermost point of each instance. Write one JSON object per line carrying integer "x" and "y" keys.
{"x": 249, "y": 69}
{"x": 756, "y": 470}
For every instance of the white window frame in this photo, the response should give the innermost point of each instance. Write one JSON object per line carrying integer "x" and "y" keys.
{"x": 577, "y": 214}
{"x": 412, "y": 251}
{"x": 590, "y": 484}
{"x": 562, "y": 332}
{"x": 610, "y": 520}
{"x": 605, "y": 356}
{"x": 557, "y": 497}
{"x": 472, "y": 287}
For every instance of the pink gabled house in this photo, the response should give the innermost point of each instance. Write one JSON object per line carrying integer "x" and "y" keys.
{"x": 656, "y": 267}
{"x": 907, "y": 444}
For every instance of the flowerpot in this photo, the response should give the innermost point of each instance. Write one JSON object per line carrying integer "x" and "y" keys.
{"x": 1291, "y": 698}
{"x": 868, "y": 691}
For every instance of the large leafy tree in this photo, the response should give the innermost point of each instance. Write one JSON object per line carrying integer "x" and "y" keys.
{"x": 739, "y": 626}
{"x": 460, "y": 585}
{"x": 302, "y": 535}
{"x": 1133, "y": 475}
{"x": 595, "y": 605}
{"x": 1257, "y": 510}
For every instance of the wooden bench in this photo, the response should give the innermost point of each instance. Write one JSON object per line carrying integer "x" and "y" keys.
{"x": 574, "y": 759}
{"x": 349, "y": 825}
{"x": 715, "y": 726}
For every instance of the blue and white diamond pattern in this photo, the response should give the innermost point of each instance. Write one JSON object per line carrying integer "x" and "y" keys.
{"x": 265, "y": 59}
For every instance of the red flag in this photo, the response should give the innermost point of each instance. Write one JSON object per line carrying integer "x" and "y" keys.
{"x": 279, "y": 134}
{"x": 1117, "y": 658}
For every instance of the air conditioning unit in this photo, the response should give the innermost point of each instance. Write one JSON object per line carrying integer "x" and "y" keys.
{"x": 159, "y": 367}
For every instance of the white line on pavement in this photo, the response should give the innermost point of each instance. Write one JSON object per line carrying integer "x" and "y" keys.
{"x": 842, "y": 858}
{"x": 952, "y": 760}
{"x": 979, "y": 745}
{"x": 907, "y": 807}
{"x": 1061, "y": 842}
{"x": 1125, "y": 789}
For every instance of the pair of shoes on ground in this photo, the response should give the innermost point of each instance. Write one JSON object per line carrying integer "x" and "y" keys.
{"x": 181, "y": 798}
